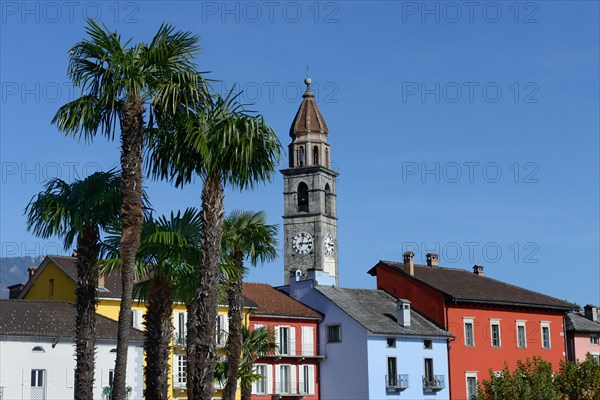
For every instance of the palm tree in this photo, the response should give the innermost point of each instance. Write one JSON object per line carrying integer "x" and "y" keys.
{"x": 225, "y": 144}
{"x": 245, "y": 235}
{"x": 119, "y": 82}
{"x": 79, "y": 210}
{"x": 257, "y": 343}
{"x": 167, "y": 259}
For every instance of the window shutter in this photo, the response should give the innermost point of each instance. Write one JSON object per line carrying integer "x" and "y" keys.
{"x": 277, "y": 379}
{"x": 104, "y": 378}
{"x": 269, "y": 379}
{"x": 70, "y": 377}
{"x": 277, "y": 340}
{"x": 293, "y": 380}
{"x": 292, "y": 341}
{"x": 176, "y": 333}
{"x": 257, "y": 326}
{"x": 308, "y": 344}
{"x": 255, "y": 383}
{"x": 311, "y": 379}
{"x": 225, "y": 328}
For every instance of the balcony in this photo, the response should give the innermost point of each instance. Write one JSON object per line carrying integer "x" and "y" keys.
{"x": 179, "y": 339}
{"x": 305, "y": 351}
{"x": 433, "y": 383}
{"x": 396, "y": 382}
{"x": 292, "y": 389}
{"x": 180, "y": 382}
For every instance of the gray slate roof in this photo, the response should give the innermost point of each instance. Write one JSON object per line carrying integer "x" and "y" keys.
{"x": 51, "y": 318}
{"x": 376, "y": 311}
{"x": 576, "y": 322}
{"x": 465, "y": 286}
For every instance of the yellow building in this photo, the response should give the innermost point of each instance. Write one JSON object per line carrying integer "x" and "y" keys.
{"x": 55, "y": 279}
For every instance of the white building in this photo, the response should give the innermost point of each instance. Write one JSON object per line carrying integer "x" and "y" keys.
{"x": 37, "y": 352}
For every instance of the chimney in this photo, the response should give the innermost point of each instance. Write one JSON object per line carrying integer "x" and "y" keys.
{"x": 591, "y": 312}
{"x": 31, "y": 272}
{"x": 15, "y": 290}
{"x": 409, "y": 263}
{"x": 75, "y": 253}
{"x": 433, "y": 260}
{"x": 478, "y": 270}
{"x": 101, "y": 283}
{"x": 403, "y": 312}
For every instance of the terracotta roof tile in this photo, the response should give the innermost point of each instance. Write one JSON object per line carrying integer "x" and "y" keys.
{"x": 51, "y": 318}
{"x": 271, "y": 301}
{"x": 308, "y": 119}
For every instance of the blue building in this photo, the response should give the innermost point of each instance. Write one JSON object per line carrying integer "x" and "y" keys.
{"x": 374, "y": 346}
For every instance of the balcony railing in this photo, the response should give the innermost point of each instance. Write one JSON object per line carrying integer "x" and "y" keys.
{"x": 433, "y": 382}
{"x": 396, "y": 382}
{"x": 292, "y": 388}
{"x": 179, "y": 339}
{"x": 180, "y": 382}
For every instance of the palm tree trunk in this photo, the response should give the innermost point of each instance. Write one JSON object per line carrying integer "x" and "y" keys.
{"x": 207, "y": 296}
{"x": 85, "y": 324}
{"x": 157, "y": 338}
{"x": 190, "y": 346}
{"x": 132, "y": 219}
{"x": 234, "y": 343}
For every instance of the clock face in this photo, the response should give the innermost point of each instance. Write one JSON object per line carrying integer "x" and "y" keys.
{"x": 302, "y": 243}
{"x": 328, "y": 244}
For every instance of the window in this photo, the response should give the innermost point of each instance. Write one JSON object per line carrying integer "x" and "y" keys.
{"x": 327, "y": 200}
{"x": 596, "y": 357}
{"x": 38, "y": 349}
{"x": 181, "y": 378}
{"x": 521, "y": 335}
{"x": 301, "y": 157}
{"x": 471, "y": 386}
{"x": 594, "y": 339}
{"x": 307, "y": 379}
{"x": 51, "y": 287}
{"x": 284, "y": 340}
{"x": 302, "y": 197}
{"x": 260, "y": 386}
{"x": 545, "y": 335}
{"x": 316, "y": 155}
{"x": 285, "y": 379}
{"x": 221, "y": 330}
{"x": 392, "y": 372}
{"x": 429, "y": 376}
{"x": 428, "y": 344}
{"x": 391, "y": 342}
{"x": 469, "y": 339}
{"x": 334, "y": 333}
{"x": 111, "y": 376}
{"x": 37, "y": 378}
{"x": 495, "y": 333}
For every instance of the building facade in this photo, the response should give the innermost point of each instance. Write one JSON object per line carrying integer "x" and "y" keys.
{"x": 292, "y": 371}
{"x": 583, "y": 334}
{"x": 55, "y": 279}
{"x": 374, "y": 346}
{"x": 37, "y": 347}
{"x": 492, "y": 322}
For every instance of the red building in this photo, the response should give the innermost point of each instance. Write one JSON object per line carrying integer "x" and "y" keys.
{"x": 293, "y": 370}
{"x": 492, "y": 322}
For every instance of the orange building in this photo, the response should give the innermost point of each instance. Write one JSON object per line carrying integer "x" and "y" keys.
{"x": 493, "y": 322}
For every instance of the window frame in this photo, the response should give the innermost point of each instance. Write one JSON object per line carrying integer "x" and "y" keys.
{"x": 38, "y": 376}
{"x": 428, "y": 344}
{"x": 495, "y": 323}
{"x": 338, "y": 329}
{"x": 594, "y": 339}
{"x": 263, "y": 380}
{"x": 521, "y": 324}
{"x": 545, "y": 327}
{"x": 390, "y": 342}
{"x": 392, "y": 378}
{"x": 468, "y": 376}
{"x": 470, "y": 322}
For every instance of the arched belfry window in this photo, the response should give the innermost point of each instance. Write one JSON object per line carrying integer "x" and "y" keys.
{"x": 302, "y": 197}
{"x": 301, "y": 157}
{"x": 327, "y": 200}
{"x": 316, "y": 155}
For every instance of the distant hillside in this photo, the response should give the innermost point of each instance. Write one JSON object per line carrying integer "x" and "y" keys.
{"x": 14, "y": 270}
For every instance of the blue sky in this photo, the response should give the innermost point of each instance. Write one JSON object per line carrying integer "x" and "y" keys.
{"x": 470, "y": 129}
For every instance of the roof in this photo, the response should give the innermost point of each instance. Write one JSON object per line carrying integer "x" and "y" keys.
{"x": 272, "y": 302}
{"x": 308, "y": 119}
{"x": 576, "y": 322}
{"x": 376, "y": 311}
{"x": 465, "y": 286}
{"x": 51, "y": 318}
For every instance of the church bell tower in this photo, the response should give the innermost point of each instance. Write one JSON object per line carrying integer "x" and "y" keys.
{"x": 309, "y": 220}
